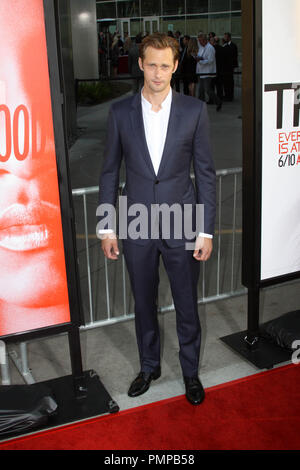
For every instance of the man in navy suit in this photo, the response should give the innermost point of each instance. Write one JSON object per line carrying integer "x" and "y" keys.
{"x": 160, "y": 134}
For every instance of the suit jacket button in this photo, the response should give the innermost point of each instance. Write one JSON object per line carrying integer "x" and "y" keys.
{"x": 157, "y": 181}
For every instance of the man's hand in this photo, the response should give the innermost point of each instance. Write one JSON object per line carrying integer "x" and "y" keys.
{"x": 203, "y": 248}
{"x": 109, "y": 245}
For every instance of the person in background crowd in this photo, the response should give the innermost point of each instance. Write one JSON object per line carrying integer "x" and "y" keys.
{"x": 115, "y": 52}
{"x": 127, "y": 43}
{"x": 206, "y": 69}
{"x": 219, "y": 65}
{"x": 133, "y": 63}
{"x": 102, "y": 49}
{"x": 183, "y": 42}
{"x": 230, "y": 63}
{"x": 216, "y": 82}
{"x": 120, "y": 44}
{"x": 180, "y": 40}
{"x": 211, "y": 40}
{"x": 190, "y": 66}
{"x": 182, "y": 64}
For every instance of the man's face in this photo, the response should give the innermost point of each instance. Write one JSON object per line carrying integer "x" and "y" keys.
{"x": 158, "y": 66}
{"x": 202, "y": 40}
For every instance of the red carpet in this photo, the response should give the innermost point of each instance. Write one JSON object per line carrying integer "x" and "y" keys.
{"x": 261, "y": 412}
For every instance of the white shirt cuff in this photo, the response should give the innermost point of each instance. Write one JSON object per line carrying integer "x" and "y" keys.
{"x": 101, "y": 233}
{"x": 205, "y": 235}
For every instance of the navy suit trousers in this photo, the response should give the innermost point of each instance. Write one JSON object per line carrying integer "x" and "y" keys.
{"x": 183, "y": 272}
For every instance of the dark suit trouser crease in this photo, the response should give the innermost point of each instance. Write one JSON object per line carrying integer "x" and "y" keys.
{"x": 183, "y": 273}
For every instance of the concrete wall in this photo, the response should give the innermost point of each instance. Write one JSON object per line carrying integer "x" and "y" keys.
{"x": 84, "y": 38}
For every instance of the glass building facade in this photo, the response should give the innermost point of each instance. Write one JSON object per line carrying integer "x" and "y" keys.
{"x": 187, "y": 16}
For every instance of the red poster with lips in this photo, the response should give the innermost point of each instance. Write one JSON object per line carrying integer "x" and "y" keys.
{"x": 33, "y": 282}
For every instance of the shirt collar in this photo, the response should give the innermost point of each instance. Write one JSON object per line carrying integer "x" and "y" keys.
{"x": 165, "y": 104}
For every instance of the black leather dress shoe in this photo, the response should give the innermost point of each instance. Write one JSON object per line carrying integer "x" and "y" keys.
{"x": 142, "y": 382}
{"x": 194, "y": 390}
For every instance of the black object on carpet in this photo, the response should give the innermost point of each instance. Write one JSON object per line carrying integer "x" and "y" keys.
{"x": 284, "y": 330}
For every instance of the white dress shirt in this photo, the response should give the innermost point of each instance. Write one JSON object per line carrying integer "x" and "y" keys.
{"x": 156, "y": 127}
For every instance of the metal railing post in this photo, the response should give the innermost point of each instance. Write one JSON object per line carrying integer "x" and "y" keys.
{"x": 219, "y": 235}
{"x": 107, "y": 289}
{"x": 5, "y": 376}
{"x": 233, "y": 231}
{"x": 21, "y": 363}
{"x": 124, "y": 285}
{"x": 86, "y": 233}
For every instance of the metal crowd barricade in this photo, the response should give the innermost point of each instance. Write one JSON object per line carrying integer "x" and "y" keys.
{"x": 4, "y": 364}
{"x": 21, "y": 361}
{"x": 92, "y": 322}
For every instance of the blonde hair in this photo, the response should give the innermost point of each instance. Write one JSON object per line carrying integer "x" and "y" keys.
{"x": 160, "y": 41}
{"x": 192, "y": 47}
{"x": 115, "y": 41}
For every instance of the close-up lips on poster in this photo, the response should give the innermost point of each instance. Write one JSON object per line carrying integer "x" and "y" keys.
{"x": 27, "y": 227}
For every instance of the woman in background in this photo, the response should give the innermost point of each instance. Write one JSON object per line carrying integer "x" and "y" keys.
{"x": 115, "y": 52}
{"x": 190, "y": 65}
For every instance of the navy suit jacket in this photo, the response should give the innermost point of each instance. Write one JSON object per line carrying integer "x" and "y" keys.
{"x": 187, "y": 144}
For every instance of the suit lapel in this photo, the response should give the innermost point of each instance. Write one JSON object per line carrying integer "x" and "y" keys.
{"x": 172, "y": 131}
{"x": 137, "y": 122}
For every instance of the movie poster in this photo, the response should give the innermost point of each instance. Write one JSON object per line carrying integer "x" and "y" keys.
{"x": 33, "y": 285}
{"x": 280, "y": 247}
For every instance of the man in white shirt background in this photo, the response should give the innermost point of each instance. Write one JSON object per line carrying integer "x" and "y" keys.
{"x": 206, "y": 69}
{"x": 160, "y": 133}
